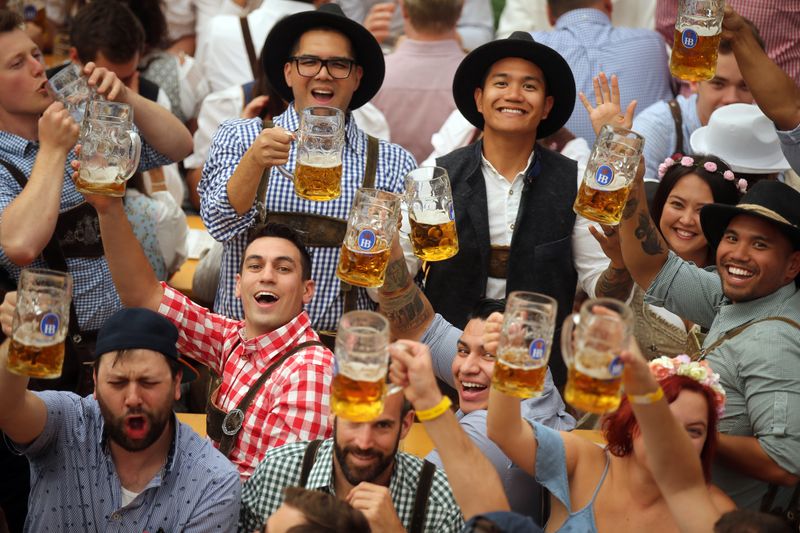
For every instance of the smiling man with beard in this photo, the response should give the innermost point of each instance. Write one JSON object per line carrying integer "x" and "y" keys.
{"x": 116, "y": 460}
{"x": 362, "y": 466}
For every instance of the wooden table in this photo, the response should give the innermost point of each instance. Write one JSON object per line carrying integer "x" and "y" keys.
{"x": 182, "y": 279}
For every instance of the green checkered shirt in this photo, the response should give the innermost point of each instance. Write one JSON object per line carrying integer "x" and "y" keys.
{"x": 263, "y": 492}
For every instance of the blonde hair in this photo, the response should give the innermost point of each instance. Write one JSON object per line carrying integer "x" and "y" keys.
{"x": 433, "y": 16}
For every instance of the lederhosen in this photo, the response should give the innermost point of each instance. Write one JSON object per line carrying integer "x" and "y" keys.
{"x": 423, "y": 485}
{"x": 319, "y": 230}
{"x": 224, "y": 427}
{"x": 77, "y": 235}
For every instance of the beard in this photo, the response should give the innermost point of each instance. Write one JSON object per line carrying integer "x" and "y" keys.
{"x": 114, "y": 427}
{"x": 369, "y": 473}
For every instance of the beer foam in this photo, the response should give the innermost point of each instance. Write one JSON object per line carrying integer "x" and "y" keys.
{"x": 100, "y": 174}
{"x": 431, "y": 218}
{"x": 518, "y": 358}
{"x": 28, "y": 333}
{"x": 703, "y": 26}
{"x": 362, "y": 371}
{"x": 594, "y": 363}
{"x": 320, "y": 160}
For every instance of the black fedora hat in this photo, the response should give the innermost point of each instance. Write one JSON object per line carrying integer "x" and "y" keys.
{"x": 560, "y": 83}
{"x": 773, "y": 201}
{"x": 286, "y": 32}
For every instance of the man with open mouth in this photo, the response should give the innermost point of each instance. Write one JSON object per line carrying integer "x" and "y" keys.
{"x": 116, "y": 460}
{"x": 750, "y": 303}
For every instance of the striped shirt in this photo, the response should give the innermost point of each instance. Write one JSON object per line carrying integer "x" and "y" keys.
{"x": 294, "y": 402}
{"x": 94, "y": 294}
{"x": 777, "y": 22}
{"x": 75, "y": 486}
{"x": 231, "y": 141}
{"x": 281, "y": 468}
{"x": 590, "y": 44}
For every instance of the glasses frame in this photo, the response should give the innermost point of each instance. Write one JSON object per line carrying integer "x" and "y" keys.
{"x": 323, "y": 63}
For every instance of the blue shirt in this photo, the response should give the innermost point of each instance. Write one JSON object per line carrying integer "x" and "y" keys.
{"x": 590, "y": 45}
{"x": 656, "y": 125}
{"x": 229, "y": 144}
{"x": 75, "y": 486}
{"x": 93, "y": 292}
{"x": 790, "y": 144}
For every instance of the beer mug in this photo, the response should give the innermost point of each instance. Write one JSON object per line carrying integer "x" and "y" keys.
{"x": 40, "y": 323}
{"x": 371, "y": 226}
{"x": 698, "y": 29}
{"x": 609, "y": 174}
{"x": 318, "y": 162}
{"x": 110, "y": 148}
{"x": 525, "y": 341}
{"x": 591, "y": 342}
{"x": 70, "y": 87}
{"x": 430, "y": 214}
{"x": 361, "y": 366}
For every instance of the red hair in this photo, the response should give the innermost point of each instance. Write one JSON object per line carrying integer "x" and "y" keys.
{"x": 620, "y": 427}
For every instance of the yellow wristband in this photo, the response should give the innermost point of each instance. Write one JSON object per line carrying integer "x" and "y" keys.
{"x": 646, "y": 399}
{"x": 435, "y": 411}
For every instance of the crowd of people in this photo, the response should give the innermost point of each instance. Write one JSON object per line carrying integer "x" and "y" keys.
{"x": 706, "y": 256}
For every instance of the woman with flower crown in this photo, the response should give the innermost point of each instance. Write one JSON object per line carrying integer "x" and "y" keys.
{"x": 688, "y": 182}
{"x": 652, "y": 476}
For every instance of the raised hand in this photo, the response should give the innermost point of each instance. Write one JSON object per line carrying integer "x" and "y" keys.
{"x": 607, "y": 109}
{"x": 375, "y": 501}
{"x": 379, "y": 20}
{"x": 271, "y": 147}
{"x": 105, "y": 82}
{"x": 491, "y": 332}
{"x": 57, "y": 129}
{"x": 412, "y": 369}
{"x": 608, "y": 238}
{"x": 7, "y": 312}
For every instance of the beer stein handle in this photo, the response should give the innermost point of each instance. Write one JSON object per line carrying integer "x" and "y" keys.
{"x": 285, "y": 173}
{"x": 567, "y": 338}
{"x": 135, "y": 155}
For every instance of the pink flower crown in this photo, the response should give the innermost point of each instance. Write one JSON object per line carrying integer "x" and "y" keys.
{"x": 709, "y": 166}
{"x": 681, "y": 365}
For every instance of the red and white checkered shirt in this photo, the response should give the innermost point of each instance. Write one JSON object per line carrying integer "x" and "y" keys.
{"x": 294, "y": 403}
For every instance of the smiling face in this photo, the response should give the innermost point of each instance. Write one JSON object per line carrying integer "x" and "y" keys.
{"x": 472, "y": 368}
{"x": 513, "y": 98}
{"x": 135, "y": 392}
{"x": 271, "y": 285}
{"x": 680, "y": 218}
{"x": 754, "y": 259}
{"x": 22, "y": 77}
{"x": 726, "y": 87}
{"x": 322, "y": 89}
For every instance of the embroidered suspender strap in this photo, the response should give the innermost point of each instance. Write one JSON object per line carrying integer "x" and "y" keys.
{"x": 735, "y": 331}
{"x": 421, "y": 502}
{"x": 233, "y": 421}
{"x": 308, "y": 461}
{"x": 248, "y": 44}
{"x": 677, "y": 118}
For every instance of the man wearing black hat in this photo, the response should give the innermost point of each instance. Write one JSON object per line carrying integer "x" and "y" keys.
{"x": 118, "y": 459}
{"x": 516, "y": 91}
{"x": 313, "y": 58}
{"x": 750, "y": 304}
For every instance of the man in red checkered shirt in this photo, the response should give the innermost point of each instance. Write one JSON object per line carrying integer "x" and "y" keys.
{"x": 273, "y": 284}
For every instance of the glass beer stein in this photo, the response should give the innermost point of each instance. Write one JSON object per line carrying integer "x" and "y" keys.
{"x": 40, "y": 323}
{"x": 70, "y": 88}
{"x": 609, "y": 174}
{"x": 430, "y": 214}
{"x": 371, "y": 226}
{"x": 698, "y": 29}
{"x": 318, "y": 162}
{"x": 591, "y": 342}
{"x": 110, "y": 148}
{"x": 362, "y": 362}
{"x": 525, "y": 341}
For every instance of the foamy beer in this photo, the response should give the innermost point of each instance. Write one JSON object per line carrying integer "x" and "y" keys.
{"x": 362, "y": 362}
{"x": 371, "y": 226}
{"x": 591, "y": 343}
{"x": 40, "y": 323}
{"x": 698, "y": 29}
{"x": 430, "y": 214}
{"x": 110, "y": 148}
{"x": 609, "y": 174}
{"x": 318, "y": 163}
{"x": 525, "y": 341}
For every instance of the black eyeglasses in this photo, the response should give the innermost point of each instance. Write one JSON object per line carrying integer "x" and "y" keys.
{"x": 309, "y": 66}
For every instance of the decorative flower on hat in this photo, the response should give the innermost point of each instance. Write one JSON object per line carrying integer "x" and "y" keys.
{"x": 728, "y": 175}
{"x": 742, "y": 185}
{"x": 681, "y": 365}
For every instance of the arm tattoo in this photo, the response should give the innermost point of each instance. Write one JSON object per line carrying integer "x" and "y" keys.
{"x": 631, "y": 206}
{"x": 614, "y": 283}
{"x": 648, "y": 234}
{"x": 397, "y": 277}
{"x": 401, "y": 300}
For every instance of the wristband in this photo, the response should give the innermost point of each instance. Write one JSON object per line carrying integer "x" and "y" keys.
{"x": 646, "y": 399}
{"x": 435, "y": 411}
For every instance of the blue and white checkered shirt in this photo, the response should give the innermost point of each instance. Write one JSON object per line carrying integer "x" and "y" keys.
{"x": 590, "y": 44}
{"x": 93, "y": 291}
{"x": 230, "y": 142}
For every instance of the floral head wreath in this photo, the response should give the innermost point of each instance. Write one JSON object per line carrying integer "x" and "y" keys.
{"x": 681, "y": 365}
{"x": 709, "y": 166}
